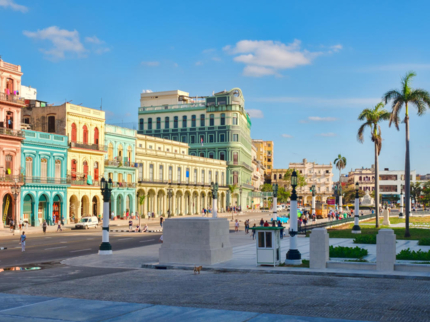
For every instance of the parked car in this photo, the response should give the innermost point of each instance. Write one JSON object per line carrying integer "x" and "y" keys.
{"x": 87, "y": 223}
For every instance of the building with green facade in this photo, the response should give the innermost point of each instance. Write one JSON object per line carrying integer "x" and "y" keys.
{"x": 216, "y": 127}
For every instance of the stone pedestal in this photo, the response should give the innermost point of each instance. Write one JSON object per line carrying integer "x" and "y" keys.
{"x": 195, "y": 241}
{"x": 319, "y": 248}
{"x": 385, "y": 250}
{"x": 386, "y": 221}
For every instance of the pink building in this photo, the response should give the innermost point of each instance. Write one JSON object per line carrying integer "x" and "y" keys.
{"x": 10, "y": 140}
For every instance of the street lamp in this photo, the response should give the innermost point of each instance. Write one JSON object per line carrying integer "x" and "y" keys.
{"x": 356, "y": 228}
{"x": 137, "y": 207}
{"x": 240, "y": 201}
{"x": 214, "y": 187}
{"x": 275, "y": 202}
{"x": 340, "y": 197}
{"x": 16, "y": 189}
{"x": 106, "y": 188}
{"x": 169, "y": 194}
{"x": 293, "y": 256}
{"x": 401, "y": 201}
{"x": 313, "y": 201}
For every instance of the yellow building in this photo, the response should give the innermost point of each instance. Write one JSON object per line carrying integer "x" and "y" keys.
{"x": 85, "y": 159}
{"x": 265, "y": 155}
{"x": 165, "y": 168}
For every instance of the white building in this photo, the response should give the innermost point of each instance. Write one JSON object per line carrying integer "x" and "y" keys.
{"x": 391, "y": 182}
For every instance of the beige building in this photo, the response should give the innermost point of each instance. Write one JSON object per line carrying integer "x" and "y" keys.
{"x": 265, "y": 155}
{"x": 165, "y": 166}
{"x": 257, "y": 170}
{"x": 364, "y": 177}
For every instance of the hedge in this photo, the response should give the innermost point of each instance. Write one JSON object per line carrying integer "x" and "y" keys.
{"x": 407, "y": 254}
{"x": 365, "y": 239}
{"x": 347, "y": 252}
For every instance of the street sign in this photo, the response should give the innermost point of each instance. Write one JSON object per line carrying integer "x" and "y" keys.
{"x": 331, "y": 200}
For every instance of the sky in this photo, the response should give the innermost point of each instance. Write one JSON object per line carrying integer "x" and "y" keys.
{"x": 306, "y": 68}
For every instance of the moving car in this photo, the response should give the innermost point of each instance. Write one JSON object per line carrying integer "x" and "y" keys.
{"x": 87, "y": 222}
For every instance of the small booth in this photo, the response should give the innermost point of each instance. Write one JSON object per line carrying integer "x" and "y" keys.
{"x": 268, "y": 244}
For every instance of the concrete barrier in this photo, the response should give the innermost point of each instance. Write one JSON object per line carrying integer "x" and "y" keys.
{"x": 318, "y": 248}
{"x": 385, "y": 250}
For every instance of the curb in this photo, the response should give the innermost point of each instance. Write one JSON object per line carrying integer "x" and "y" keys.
{"x": 288, "y": 272}
{"x": 133, "y": 231}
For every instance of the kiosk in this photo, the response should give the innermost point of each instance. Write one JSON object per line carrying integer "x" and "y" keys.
{"x": 268, "y": 245}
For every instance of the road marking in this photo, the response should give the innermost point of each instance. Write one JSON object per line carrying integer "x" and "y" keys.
{"x": 124, "y": 238}
{"x": 81, "y": 250}
{"x": 145, "y": 241}
{"x": 55, "y": 247}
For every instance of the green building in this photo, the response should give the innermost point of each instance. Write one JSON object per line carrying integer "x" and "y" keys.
{"x": 216, "y": 127}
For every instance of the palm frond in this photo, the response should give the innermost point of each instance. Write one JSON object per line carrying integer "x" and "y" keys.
{"x": 360, "y": 137}
{"x": 364, "y": 114}
{"x": 397, "y": 105}
{"x": 391, "y": 95}
{"x": 421, "y": 99}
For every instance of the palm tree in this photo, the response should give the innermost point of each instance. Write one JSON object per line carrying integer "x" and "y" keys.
{"x": 340, "y": 163}
{"x": 421, "y": 100}
{"x": 372, "y": 118}
{"x": 231, "y": 189}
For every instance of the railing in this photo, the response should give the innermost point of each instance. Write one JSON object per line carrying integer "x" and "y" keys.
{"x": 177, "y": 182}
{"x": 246, "y": 185}
{"x": 172, "y": 107}
{"x": 11, "y": 178}
{"x": 47, "y": 180}
{"x": 9, "y": 66}
{"x": 80, "y": 179}
{"x": 12, "y": 98}
{"x": 11, "y": 132}
{"x": 97, "y": 147}
{"x": 124, "y": 185}
{"x": 247, "y": 166}
{"x": 114, "y": 163}
{"x": 302, "y": 229}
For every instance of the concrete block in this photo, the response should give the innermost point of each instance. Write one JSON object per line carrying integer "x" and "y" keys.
{"x": 318, "y": 248}
{"x": 195, "y": 241}
{"x": 385, "y": 250}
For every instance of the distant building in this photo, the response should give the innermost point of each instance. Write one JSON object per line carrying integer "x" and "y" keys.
{"x": 265, "y": 155}
{"x": 391, "y": 183}
{"x": 365, "y": 178}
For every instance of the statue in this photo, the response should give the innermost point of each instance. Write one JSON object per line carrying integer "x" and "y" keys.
{"x": 367, "y": 200}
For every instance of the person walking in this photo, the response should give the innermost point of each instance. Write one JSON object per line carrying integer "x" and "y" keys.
{"x": 236, "y": 226}
{"x": 246, "y": 226}
{"x": 22, "y": 240}
{"x": 261, "y": 222}
{"x": 281, "y": 232}
{"x": 253, "y": 232}
{"x": 11, "y": 225}
{"x": 59, "y": 226}
{"x": 130, "y": 225}
{"x": 266, "y": 224}
{"x": 44, "y": 225}
{"x": 161, "y": 221}
{"x": 53, "y": 217}
{"x": 112, "y": 215}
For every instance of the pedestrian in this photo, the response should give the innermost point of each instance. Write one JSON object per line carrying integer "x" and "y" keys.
{"x": 362, "y": 213}
{"x": 112, "y": 215}
{"x": 54, "y": 219}
{"x": 261, "y": 222}
{"x": 22, "y": 240}
{"x": 281, "y": 232}
{"x": 44, "y": 225}
{"x": 59, "y": 226}
{"x": 161, "y": 221}
{"x": 266, "y": 224}
{"x": 11, "y": 225}
{"x": 253, "y": 231}
{"x": 161, "y": 239}
{"x": 145, "y": 228}
{"x": 246, "y": 226}
{"x": 204, "y": 211}
{"x": 137, "y": 228}
{"x": 236, "y": 226}
{"x": 21, "y": 223}
{"x": 337, "y": 216}
{"x": 130, "y": 225}
{"x": 273, "y": 222}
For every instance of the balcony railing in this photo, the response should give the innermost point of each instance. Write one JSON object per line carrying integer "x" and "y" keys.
{"x": 124, "y": 184}
{"x": 177, "y": 182}
{"x": 11, "y": 132}
{"x": 97, "y": 147}
{"x": 114, "y": 163}
{"x": 11, "y": 178}
{"x": 46, "y": 180}
{"x": 173, "y": 106}
{"x": 80, "y": 179}
{"x": 12, "y": 98}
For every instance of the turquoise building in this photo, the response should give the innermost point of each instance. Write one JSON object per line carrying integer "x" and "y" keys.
{"x": 120, "y": 166}
{"x": 44, "y": 166}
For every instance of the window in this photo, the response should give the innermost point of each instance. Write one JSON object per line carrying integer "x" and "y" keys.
{"x": 222, "y": 119}
{"x": 150, "y": 147}
{"x": 203, "y": 176}
{"x": 222, "y": 137}
{"x": 221, "y": 156}
{"x": 150, "y": 124}
{"x": 235, "y": 119}
{"x": 211, "y": 155}
{"x": 170, "y": 174}
{"x": 43, "y": 168}
{"x": 166, "y": 122}
{"x": 158, "y": 123}
{"x": 210, "y": 176}
{"x": 235, "y": 177}
{"x": 184, "y": 121}
{"x": 96, "y": 136}
{"x": 51, "y": 124}
{"x": 195, "y": 176}
{"x": 141, "y": 124}
{"x": 179, "y": 175}
{"x": 222, "y": 178}
{"x": 120, "y": 177}
{"x": 193, "y": 121}
{"x": 184, "y": 139}
{"x": 192, "y": 139}
{"x": 216, "y": 177}
{"x": 96, "y": 171}
{"x": 187, "y": 173}
{"x": 120, "y": 153}
{"x": 26, "y": 120}
{"x": 211, "y": 120}
{"x": 388, "y": 188}
{"x": 85, "y": 134}
{"x": 175, "y": 122}
{"x": 151, "y": 172}
{"x": 129, "y": 178}
{"x": 140, "y": 170}
{"x": 211, "y": 138}
{"x": 235, "y": 137}
{"x": 235, "y": 158}
{"x": 85, "y": 165}
{"x": 28, "y": 167}
{"x": 388, "y": 177}
{"x": 202, "y": 154}
{"x": 202, "y": 139}
{"x": 57, "y": 169}
{"x": 160, "y": 175}
{"x": 74, "y": 169}
{"x": 202, "y": 120}
{"x": 74, "y": 132}
{"x": 264, "y": 239}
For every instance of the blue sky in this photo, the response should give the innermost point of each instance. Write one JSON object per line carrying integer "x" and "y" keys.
{"x": 307, "y": 68}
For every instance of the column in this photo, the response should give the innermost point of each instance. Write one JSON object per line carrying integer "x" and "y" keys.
{"x": 401, "y": 205}
{"x": 356, "y": 228}
{"x": 105, "y": 247}
{"x": 313, "y": 204}
{"x": 293, "y": 255}
{"x": 340, "y": 203}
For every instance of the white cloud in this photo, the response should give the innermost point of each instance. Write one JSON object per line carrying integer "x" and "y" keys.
{"x": 322, "y": 119}
{"x": 14, "y": 6}
{"x": 94, "y": 40}
{"x": 199, "y": 63}
{"x": 63, "y": 41}
{"x": 255, "y": 114}
{"x": 97, "y": 44}
{"x": 287, "y": 136}
{"x": 268, "y": 57}
{"x": 335, "y": 48}
{"x": 147, "y": 91}
{"x": 150, "y": 63}
{"x": 330, "y": 134}
{"x": 319, "y": 101}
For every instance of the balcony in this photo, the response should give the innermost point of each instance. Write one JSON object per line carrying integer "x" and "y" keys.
{"x": 175, "y": 182}
{"x": 81, "y": 179}
{"x": 124, "y": 185}
{"x": 46, "y": 180}
{"x": 172, "y": 107}
{"x": 247, "y": 186}
{"x": 96, "y": 147}
{"x": 12, "y": 99}
{"x": 8, "y": 178}
{"x": 114, "y": 163}
{"x": 10, "y": 132}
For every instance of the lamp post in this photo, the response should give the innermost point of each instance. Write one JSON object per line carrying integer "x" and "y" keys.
{"x": 275, "y": 202}
{"x": 240, "y": 201}
{"x": 313, "y": 200}
{"x": 137, "y": 207}
{"x": 401, "y": 202}
{"x": 356, "y": 229}
{"x": 214, "y": 187}
{"x": 16, "y": 189}
{"x": 106, "y": 188}
{"x": 169, "y": 194}
{"x": 293, "y": 256}
{"x": 340, "y": 197}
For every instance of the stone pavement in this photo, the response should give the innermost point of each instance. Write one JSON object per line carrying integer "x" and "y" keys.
{"x": 38, "y": 309}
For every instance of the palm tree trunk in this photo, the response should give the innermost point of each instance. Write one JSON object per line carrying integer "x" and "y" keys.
{"x": 376, "y": 186}
{"x": 407, "y": 178}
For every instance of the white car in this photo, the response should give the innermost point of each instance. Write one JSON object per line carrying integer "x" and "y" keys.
{"x": 87, "y": 222}
{"x": 279, "y": 208}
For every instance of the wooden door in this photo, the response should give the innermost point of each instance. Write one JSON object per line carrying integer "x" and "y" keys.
{"x": 74, "y": 166}
{"x": 96, "y": 171}
{"x": 9, "y": 86}
{"x": 85, "y": 138}
{"x": 85, "y": 169}
{"x": 74, "y": 134}
{"x": 96, "y": 136}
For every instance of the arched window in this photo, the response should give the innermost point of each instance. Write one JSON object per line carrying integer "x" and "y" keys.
{"x": 129, "y": 154}
{"x": 221, "y": 156}
{"x": 202, "y": 120}
{"x": 120, "y": 178}
{"x": 211, "y": 120}
{"x": 216, "y": 177}
{"x": 151, "y": 172}
{"x": 234, "y": 119}
{"x": 57, "y": 169}
{"x": 96, "y": 171}
{"x": 96, "y": 136}
{"x": 44, "y": 168}
{"x": 222, "y": 119}
{"x": 184, "y": 121}
{"x": 74, "y": 132}
{"x": 141, "y": 124}
{"x": 175, "y": 122}
{"x": 193, "y": 121}
{"x": 120, "y": 154}
{"x": 158, "y": 123}
{"x": 166, "y": 122}
{"x": 29, "y": 167}
{"x": 110, "y": 152}
{"x": 360, "y": 178}
{"x": 150, "y": 123}
{"x": 85, "y": 164}
{"x": 128, "y": 178}
{"x": 74, "y": 169}
{"x": 85, "y": 134}
{"x": 280, "y": 176}
{"x": 51, "y": 124}
{"x": 211, "y": 155}
{"x": 110, "y": 175}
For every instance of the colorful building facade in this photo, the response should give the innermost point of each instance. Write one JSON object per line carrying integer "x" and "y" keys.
{"x": 44, "y": 165}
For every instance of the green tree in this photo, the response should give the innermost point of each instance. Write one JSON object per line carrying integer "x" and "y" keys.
{"x": 403, "y": 97}
{"x": 416, "y": 190}
{"x": 340, "y": 163}
{"x": 426, "y": 193}
{"x": 349, "y": 194}
{"x": 372, "y": 117}
{"x": 267, "y": 187}
{"x": 141, "y": 199}
{"x": 232, "y": 188}
{"x": 283, "y": 195}
{"x": 301, "y": 181}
